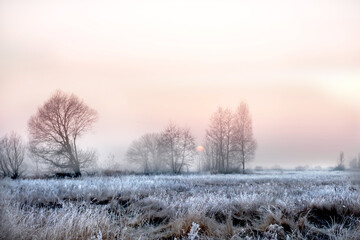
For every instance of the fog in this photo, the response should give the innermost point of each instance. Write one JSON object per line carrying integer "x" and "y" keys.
{"x": 141, "y": 65}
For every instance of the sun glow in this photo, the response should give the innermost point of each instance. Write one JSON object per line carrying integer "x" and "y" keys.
{"x": 199, "y": 148}
{"x": 342, "y": 86}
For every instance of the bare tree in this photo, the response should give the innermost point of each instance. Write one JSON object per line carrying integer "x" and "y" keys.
{"x": 12, "y": 152}
{"x": 147, "y": 151}
{"x": 342, "y": 159}
{"x": 187, "y": 148}
{"x": 210, "y": 153}
{"x": 245, "y": 144}
{"x": 55, "y": 129}
{"x": 229, "y": 131}
{"x": 341, "y": 162}
{"x": 179, "y": 147}
{"x": 219, "y": 140}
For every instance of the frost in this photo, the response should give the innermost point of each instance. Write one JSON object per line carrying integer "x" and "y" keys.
{"x": 194, "y": 230}
{"x": 213, "y": 201}
{"x": 272, "y": 231}
{"x": 98, "y": 236}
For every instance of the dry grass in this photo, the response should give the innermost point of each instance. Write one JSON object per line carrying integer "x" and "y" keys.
{"x": 291, "y": 206}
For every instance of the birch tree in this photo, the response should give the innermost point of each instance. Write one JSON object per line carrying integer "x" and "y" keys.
{"x": 219, "y": 139}
{"x": 243, "y": 139}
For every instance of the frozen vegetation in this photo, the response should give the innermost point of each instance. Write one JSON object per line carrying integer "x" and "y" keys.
{"x": 266, "y": 205}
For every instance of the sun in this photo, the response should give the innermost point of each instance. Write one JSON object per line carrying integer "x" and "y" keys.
{"x": 199, "y": 148}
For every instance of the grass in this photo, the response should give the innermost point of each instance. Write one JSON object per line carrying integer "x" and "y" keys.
{"x": 292, "y": 205}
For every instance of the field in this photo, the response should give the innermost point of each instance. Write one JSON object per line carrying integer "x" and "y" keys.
{"x": 263, "y": 205}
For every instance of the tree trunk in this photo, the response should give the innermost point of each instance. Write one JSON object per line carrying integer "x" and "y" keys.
{"x": 15, "y": 175}
{"x": 76, "y": 169}
{"x": 243, "y": 157}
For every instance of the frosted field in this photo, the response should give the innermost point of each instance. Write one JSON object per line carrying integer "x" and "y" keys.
{"x": 264, "y": 205}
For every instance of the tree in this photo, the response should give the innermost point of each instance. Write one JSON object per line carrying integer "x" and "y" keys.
{"x": 55, "y": 129}
{"x": 12, "y": 152}
{"x": 341, "y": 159}
{"x": 146, "y": 151}
{"x": 179, "y": 147}
{"x": 244, "y": 142}
{"x": 219, "y": 140}
{"x": 341, "y": 162}
{"x": 210, "y": 153}
{"x": 229, "y": 131}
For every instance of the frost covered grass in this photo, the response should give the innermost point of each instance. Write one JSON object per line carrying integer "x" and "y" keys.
{"x": 270, "y": 205}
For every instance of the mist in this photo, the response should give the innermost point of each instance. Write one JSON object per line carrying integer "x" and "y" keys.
{"x": 143, "y": 65}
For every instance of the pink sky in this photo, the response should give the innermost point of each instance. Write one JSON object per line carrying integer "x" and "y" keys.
{"x": 296, "y": 63}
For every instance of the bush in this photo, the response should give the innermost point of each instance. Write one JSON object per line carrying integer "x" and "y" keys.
{"x": 339, "y": 168}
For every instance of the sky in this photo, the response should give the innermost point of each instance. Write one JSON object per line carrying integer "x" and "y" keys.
{"x": 141, "y": 64}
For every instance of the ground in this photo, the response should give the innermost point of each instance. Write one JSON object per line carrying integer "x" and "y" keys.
{"x": 262, "y": 205}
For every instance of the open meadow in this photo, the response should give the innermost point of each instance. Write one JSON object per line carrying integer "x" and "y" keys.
{"x": 262, "y": 205}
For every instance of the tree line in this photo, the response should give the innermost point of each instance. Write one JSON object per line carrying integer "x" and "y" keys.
{"x": 57, "y": 125}
{"x": 229, "y": 145}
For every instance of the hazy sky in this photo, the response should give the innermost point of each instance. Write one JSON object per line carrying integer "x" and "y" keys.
{"x": 141, "y": 64}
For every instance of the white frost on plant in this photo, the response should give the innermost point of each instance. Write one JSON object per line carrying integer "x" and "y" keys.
{"x": 98, "y": 236}
{"x": 272, "y": 231}
{"x": 177, "y": 196}
{"x": 194, "y": 231}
